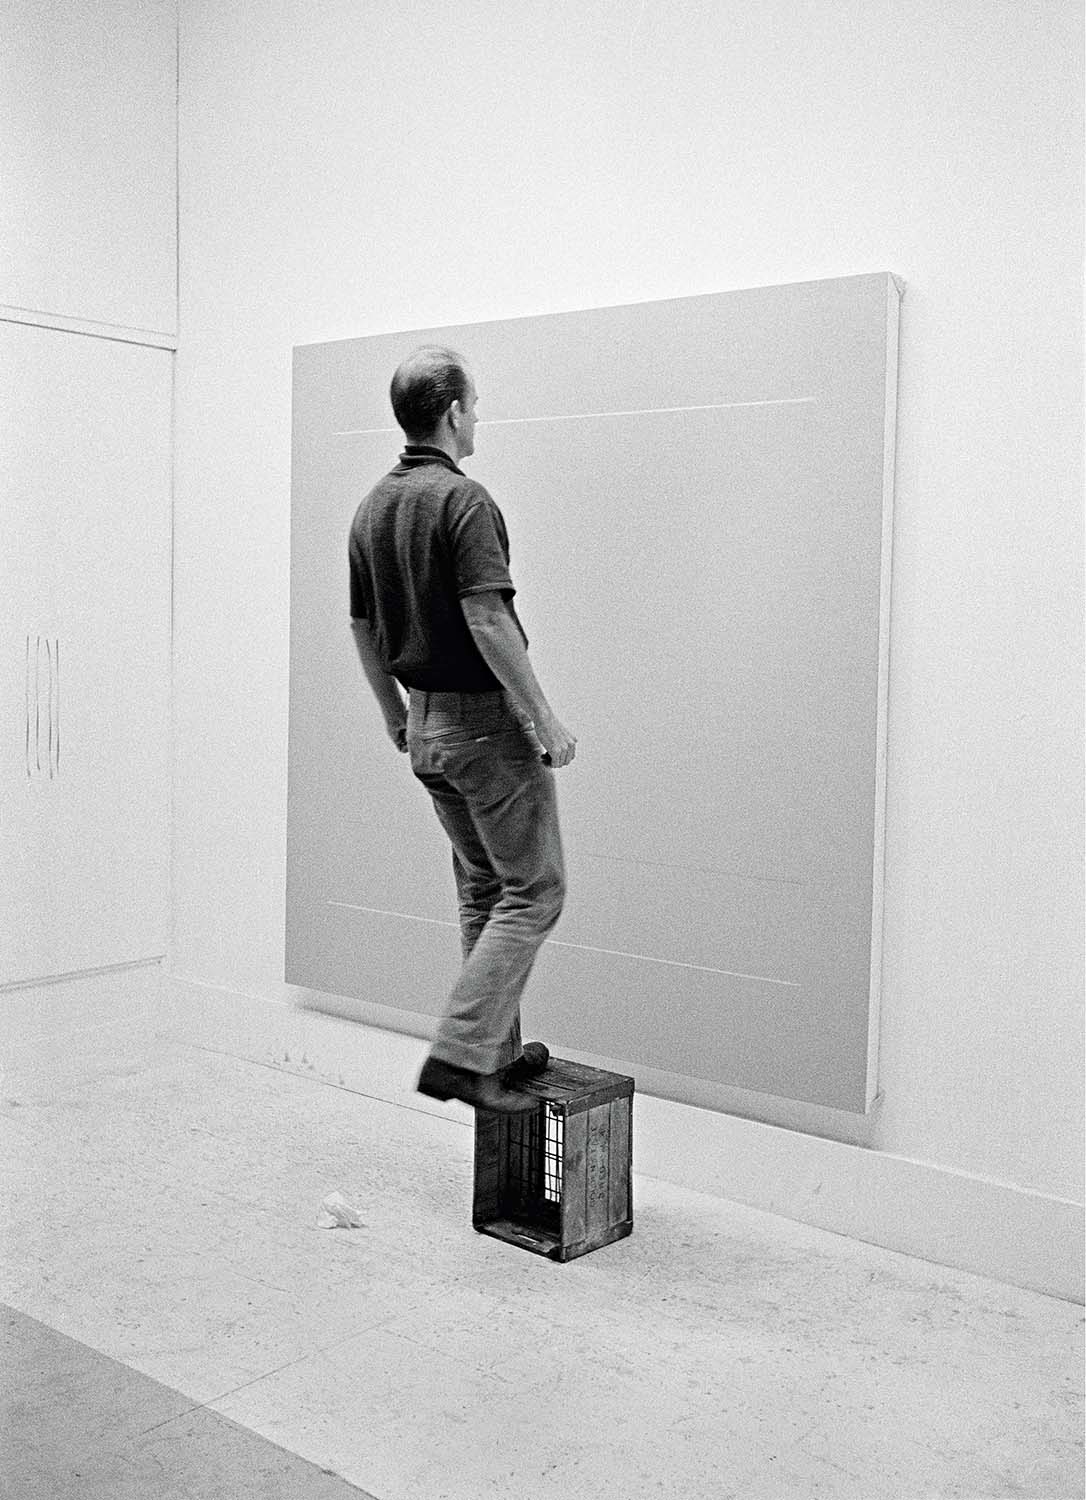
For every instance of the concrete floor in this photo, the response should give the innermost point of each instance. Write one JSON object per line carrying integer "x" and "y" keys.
{"x": 161, "y": 1205}
{"x": 78, "y": 1424}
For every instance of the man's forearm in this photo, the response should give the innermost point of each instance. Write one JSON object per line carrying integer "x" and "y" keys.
{"x": 385, "y": 688}
{"x": 502, "y": 648}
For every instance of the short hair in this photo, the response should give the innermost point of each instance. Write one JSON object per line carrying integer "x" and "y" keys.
{"x": 424, "y": 386}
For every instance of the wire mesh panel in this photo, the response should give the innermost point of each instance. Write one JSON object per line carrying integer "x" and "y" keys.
{"x": 552, "y": 1155}
{"x": 556, "y": 1179}
{"x": 531, "y": 1191}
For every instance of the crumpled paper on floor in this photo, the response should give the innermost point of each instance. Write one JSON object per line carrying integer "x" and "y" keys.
{"x": 337, "y": 1213}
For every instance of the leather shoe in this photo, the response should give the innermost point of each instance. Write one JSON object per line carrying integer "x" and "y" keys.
{"x": 535, "y": 1059}
{"x": 441, "y": 1080}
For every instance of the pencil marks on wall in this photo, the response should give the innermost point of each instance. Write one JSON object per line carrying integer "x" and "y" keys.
{"x": 42, "y": 701}
{"x": 594, "y": 416}
{"x": 645, "y": 958}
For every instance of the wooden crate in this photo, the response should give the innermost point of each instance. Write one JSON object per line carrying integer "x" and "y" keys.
{"x": 556, "y": 1180}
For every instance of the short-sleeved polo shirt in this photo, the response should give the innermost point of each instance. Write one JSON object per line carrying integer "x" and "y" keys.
{"x": 422, "y": 539}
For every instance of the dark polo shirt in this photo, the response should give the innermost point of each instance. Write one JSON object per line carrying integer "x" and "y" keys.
{"x": 424, "y": 537}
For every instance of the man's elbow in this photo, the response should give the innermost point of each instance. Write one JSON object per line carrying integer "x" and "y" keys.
{"x": 362, "y": 632}
{"x": 484, "y": 612}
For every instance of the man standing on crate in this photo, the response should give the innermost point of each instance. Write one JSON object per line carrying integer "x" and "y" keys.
{"x": 431, "y": 610}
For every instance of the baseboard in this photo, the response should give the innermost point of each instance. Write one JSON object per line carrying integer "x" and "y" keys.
{"x": 951, "y": 1218}
{"x": 100, "y": 971}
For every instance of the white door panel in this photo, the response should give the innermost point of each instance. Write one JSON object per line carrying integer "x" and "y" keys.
{"x": 84, "y": 673}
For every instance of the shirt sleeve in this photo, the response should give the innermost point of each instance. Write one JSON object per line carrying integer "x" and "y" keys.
{"x": 480, "y": 549}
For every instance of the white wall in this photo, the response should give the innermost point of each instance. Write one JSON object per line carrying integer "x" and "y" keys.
{"x": 349, "y": 169}
{"x": 88, "y": 145}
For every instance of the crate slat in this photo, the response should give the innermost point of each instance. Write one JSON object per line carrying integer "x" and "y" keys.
{"x": 621, "y": 1163}
{"x": 597, "y": 1171}
{"x": 574, "y": 1217}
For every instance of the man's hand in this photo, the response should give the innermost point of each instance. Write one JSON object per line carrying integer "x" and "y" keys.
{"x": 559, "y": 745}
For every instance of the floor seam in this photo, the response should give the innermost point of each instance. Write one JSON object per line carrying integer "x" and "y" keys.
{"x": 339, "y": 1088}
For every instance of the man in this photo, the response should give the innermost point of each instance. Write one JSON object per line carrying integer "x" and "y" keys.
{"x": 431, "y": 610}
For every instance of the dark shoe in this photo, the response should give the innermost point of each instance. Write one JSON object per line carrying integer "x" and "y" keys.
{"x": 535, "y": 1059}
{"x": 440, "y": 1080}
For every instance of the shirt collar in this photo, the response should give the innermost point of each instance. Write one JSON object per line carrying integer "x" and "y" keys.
{"x": 415, "y": 455}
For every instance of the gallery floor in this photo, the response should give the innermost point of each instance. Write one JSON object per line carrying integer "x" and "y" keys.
{"x": 177, "y": 1325}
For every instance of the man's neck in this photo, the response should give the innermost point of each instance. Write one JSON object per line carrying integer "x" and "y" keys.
{"x": 446, "y": 445}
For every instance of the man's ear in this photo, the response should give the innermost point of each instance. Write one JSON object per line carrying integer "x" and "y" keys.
{"x": 454, "y": 414}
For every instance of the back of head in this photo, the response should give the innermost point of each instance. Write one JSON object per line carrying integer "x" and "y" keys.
{"x": 423, "y": 388}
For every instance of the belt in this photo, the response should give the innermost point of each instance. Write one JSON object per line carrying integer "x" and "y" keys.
{"x": 479, "y": 695}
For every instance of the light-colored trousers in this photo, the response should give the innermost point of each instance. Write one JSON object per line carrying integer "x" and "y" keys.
{"x": 496, "y": 801}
